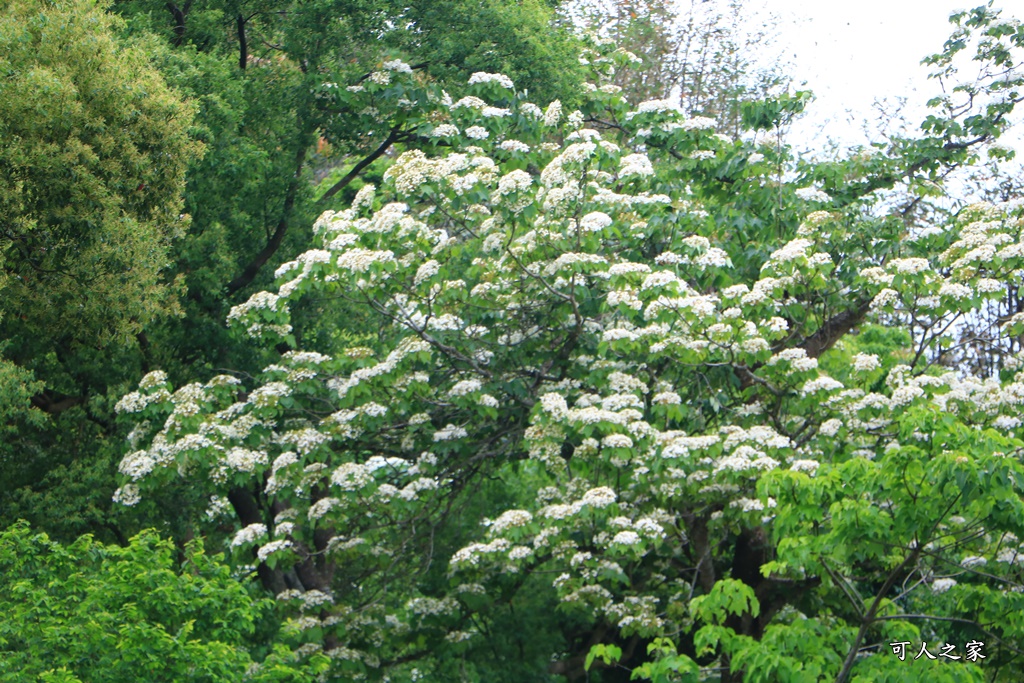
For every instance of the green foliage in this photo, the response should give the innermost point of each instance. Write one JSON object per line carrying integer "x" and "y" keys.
{"x": 94, "y": 151}
{"x": 262, "y": 99}
{"x": 608, "y": 654}
{"x": 104, "y": 614}
{"x": 666, "y": 665}
{"x": 775, "y": 113}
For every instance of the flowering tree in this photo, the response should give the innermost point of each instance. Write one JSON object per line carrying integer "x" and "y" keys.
{"x": 733, "y": 449}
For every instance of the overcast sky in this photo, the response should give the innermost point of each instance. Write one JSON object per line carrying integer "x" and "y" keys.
{"x": 853, "y": 52}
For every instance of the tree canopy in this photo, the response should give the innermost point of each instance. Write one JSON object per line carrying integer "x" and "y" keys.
{"x": 717, "y": 399}
{"x": 559, "y": 386}
{"x": 103, "y": 614}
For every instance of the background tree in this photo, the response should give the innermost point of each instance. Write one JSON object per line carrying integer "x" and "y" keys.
{"x": 706, "y": 57}
{"x": 93, "y": 152}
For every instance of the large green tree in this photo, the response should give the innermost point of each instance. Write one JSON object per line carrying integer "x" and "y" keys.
{"x": 93, "y": 152}
{"x": 700, "y": 413}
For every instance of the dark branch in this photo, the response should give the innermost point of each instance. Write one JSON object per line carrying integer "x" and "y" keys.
{"x": 274, "y": 243}
{"x": 833, "y": 329}
{"x": 243, "y": 45}
{"x": 179, "y": 14}
{"x": 392, "y": 137}
{"x": 54, "y": 405}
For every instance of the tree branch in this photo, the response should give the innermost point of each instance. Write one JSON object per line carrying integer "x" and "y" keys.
{"x": 869, "y": 617}
{"x": 834, "y": 328}
{"x": 274, "y": 243}
{"x": 53, "y": 405}
{"x": 179, "y": 14}
{"x": 392, "y": 137}
{"x": 243, "y": 45}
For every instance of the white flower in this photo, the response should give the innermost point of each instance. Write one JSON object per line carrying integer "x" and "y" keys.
{"x": 905, "y": 394}
{"x": 617, "y": 441}
{"x": 595, "y": 221}
{"x": 158, "y": 378}
{"x": 797, "y": 359}
{"x": 127, "y": 495}
{"x": 273, "y": 547}
{"x": 530, "y": 109}
{"x": 351, "y": 476}
{"x": 137, "y": 465}
{"x": 509, "y": 519}
{"x": 942, "y": 585}
{"x": 244, "y": 460}
{"x": 831, "y": 427}
{"x": 495, "y": 112}
{"x": 398, "y": 66}
{"x": 599, "y": 497}
{"x": 1010, "y": 556}
{"x": 654, "y": 106}
{"x": 658, "y": 279}
{"x": 635, "y": 164}
{"x": 554, "y": 405}
{"x": 553, "y": 113}
{"x": 909, "y": 266}
{"x": 812, "y": 194}
{"x": 696, "y": 122}
{"x": 973, "y": 561}
{"x": 519, "y": 552}
{"x": 667, "y": 398}
{"x": 794, "y": 249}
{"x": 469, "y": 102}
{"x": 747, "y": 504}
{"x": 314, "y": 598}
{"x": 322, "y": 507}
{"x": 450, "y": 433}
{"x": 649, "y": 527}
{"x": 955, "y": 290}
{"x": 1006, "y": 422}
{"x": 445, "y": 130}
{"x": 808, "y": 466}
{"x": 514, "y": 146}
{"x": 426, "y": 271}
{"x": 866, "y": 362}
{"x": 886, "y": 297}
{"x": 477, "y": 133}
{"x": 501, "y": 79}
{"x": 249, "y": 535}
{"x": 822, "y": 383}
{"x": 514, "y": 181}
{"x": 466, "y": 386}
{"x": 988, "y": 285}
{"x": 626, "y": 538}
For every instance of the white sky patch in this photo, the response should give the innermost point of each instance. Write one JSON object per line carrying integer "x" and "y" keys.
{"x": 852, "y": 54}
